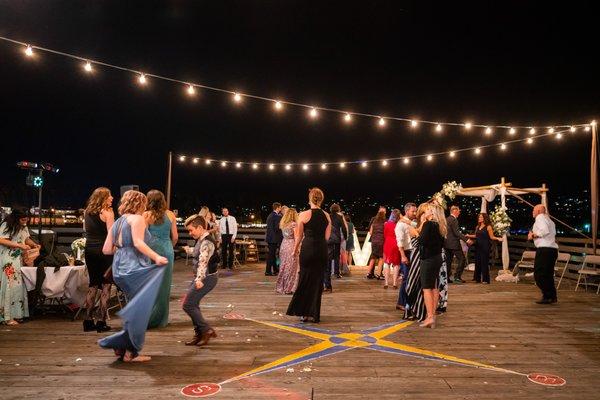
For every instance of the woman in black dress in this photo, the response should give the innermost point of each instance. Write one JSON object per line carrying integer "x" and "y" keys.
{"x": 484, "y": 234}
{"x": 312, "y": 231}
{"x": 98, "y": 219}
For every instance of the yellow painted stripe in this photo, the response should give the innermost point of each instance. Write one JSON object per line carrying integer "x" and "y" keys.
{"x": 403, "y": 347}
{"x": 291, "y": 357}
{"x": 314, "y": 335}
{"x": 392, "y": 329}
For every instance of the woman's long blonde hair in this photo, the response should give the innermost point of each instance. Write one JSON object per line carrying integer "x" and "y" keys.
{"x": 132, "y": 202}
{"x": 291, "y": 215}
{"x": 95, "y": 203}
{"x": 438, "y": 216}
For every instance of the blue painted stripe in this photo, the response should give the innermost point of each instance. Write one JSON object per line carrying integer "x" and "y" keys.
{"x": 381, "y": 327}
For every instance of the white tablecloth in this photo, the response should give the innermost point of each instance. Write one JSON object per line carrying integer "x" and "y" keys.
{"x": 69, "y": 283}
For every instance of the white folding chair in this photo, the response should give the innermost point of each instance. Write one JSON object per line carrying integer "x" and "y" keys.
{"x": 562, "y": 258}
{"x": 589, "y": 268}
{"x": 527, "y": 260}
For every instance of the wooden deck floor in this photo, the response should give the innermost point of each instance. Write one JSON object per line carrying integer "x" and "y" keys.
{"x": 497, "y": 325}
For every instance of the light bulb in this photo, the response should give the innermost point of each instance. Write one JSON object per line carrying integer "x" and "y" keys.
{"x": 532, "y": 131}
{"x": 347, "y": 117}
{"x": 503, "y": 146}
{"x": 384, "y": 163}
{"x": 438, "y": 128}
{"x": 208, "y": 162}
{"x": 237, "y": 97}
{"x": 573, "y": 129}
{"x": 452, "y": 154}
{"x": 363, "y": 164}
{"x": 381, "y": 122}
{"x": 323, "y": 166}
{"x": 191, "y": 90}
{"x": 238, "y": 165}
{"x": 87, "y": 67}
{"x": 255, "y": 166}
{"x": 305, "y": 167}
{"x": 468, "y": 125}
{"x": 477, "y": 150}
{"x": 278, "y": 106}
{"x": 342, "y": 165}
{"x": 406, "y": 160}
{"x": 429, "y": 157}
{"x": 223, "y": 164}
{"x": 488, "y": 131}
{"x": 587, "y": 129}
{"x": 181, "y": 158}
{"x": 142, "y": 79}
{"x": 512, "y": 131}
{"x": 271, "y": 166}
{"x": 559, "y": 136}
{"x": 29, "y": 51}
{"x": 288, "y": 167}
{"x": 313, "y": 113}
{"x": 530, "y": 141}
{"x": 414, "y": 123}
{"x": 551, "y": 130}
{"x": 195, "y": 160}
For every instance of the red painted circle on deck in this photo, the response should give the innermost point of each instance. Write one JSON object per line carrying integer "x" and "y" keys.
{"x": 234, "y": 315}
{"x": 546, "y": 379}
{"x": 201, "y": 389}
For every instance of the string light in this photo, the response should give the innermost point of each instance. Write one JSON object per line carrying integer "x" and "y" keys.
{"x": 278, "y": 105}
{"x": 305, "y": 167}
{"x": 550, "y": 130}
{"x": 288, "y": 167}
{"x": 195, "y": 161}
{"x": 29, "y": 52}
{"x": 191, "y": 90}
{"x": 384, "y": 163}
{"x": 87, "y": 66}
{"x": 429, "y": 157}
{"x": 532, "y": 131}
{"x": 271, "y": 167}
{"x": 238, "y": 165}
{"x": 182, "y": 158}
{"x": 573, "y": 129}
{"x": 559, "y": 136}
{"x": 223, "y": 164}
{"x": 488, "y": 131}
{"x": 512, "y": 131}
{"x": 477, "y": 150}
{"x": 342, "y": 165}
{"x": 381, "y": 121}
{"x": 587, "y": 129}
{"x": 323, "y": 166}
{"x": 208, "y": 162}
{"x": 313, "y": 113}
{"x": 530, "y": 141}
{"x": 452, "y": 154}
{"x": 406, "y": 160}
{"x": 503, "y": 146}
{"x": 363, "y": 164}
{"x": 414, "y": 123}
{"x": 255, "y": 166}
{"x": 347, "y": 117}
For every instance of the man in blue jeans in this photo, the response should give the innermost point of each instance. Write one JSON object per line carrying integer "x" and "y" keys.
{"x": 205, "y": 261}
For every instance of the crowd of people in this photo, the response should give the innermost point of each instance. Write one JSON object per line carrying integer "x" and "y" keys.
{"x": 412, "y": 251}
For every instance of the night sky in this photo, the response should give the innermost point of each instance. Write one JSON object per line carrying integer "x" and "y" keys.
{"x": 515, "y": 63}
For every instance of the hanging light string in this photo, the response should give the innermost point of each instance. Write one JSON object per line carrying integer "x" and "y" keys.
{"x": 278, "y": 104}
{"x": 477, "y": 150}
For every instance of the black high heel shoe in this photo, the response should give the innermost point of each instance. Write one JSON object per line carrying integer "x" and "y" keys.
{"x": 102, "y": 327}
{"x": 89, "y": 325}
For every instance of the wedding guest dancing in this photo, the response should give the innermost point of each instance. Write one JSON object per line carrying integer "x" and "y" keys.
{"x": 391, "y": 253}
{"x": 98, "y": 219}
{"x": 453, "y": 248}
{"x": 339, "y": 232}
{"x": 206, "y": 261}
{"x": 376, "y": 232}
{"x": 273, "y": 237}
{"x": 543, "y": 235}
{"x": 484, "y": 234}
{"x": 14, "y": 239}
{"x": 163, "y": 228}
{"x": 314, "y": 229}
{"x": 288, "y": 270}
{"x": 228, "y": 228}
{"x": 135, "y": 274}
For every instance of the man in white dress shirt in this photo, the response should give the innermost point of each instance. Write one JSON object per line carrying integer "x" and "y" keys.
{"x": 543, "y": 235}
{"x": 404, "y": 232}
{"x": 228, "y": 228}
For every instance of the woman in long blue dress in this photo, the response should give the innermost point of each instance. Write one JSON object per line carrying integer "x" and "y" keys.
{"x": 135, "y": 274}
{"x": 163, "y": 228}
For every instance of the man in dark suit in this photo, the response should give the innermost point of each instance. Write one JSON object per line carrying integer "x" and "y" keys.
{"x": 339, "y": 232}
{"x": 452, "y": 246}
{"x": 273, "y": 237}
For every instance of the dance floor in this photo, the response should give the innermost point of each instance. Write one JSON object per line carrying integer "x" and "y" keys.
{"x": 488, "y": 345}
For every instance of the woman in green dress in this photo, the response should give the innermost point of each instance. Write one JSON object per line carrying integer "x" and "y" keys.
{"x": 14, "y": 239}
{"x": 163, "y": 228}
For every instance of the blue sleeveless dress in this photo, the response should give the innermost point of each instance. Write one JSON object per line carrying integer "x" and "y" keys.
{"x": 140, "y": 280}
{"x": 162, "y": 244}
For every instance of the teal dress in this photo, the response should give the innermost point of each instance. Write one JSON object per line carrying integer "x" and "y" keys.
{"x": 161, "y": 243}
{"x": 13, "y": 295}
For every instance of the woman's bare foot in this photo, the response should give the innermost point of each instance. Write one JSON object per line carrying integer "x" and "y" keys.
{"x": 12, "y": 322}
{"x": 139, "y": 358}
